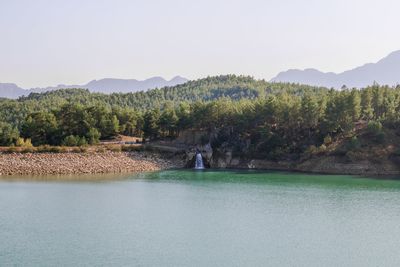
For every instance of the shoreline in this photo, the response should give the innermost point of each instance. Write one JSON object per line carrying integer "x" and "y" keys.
{"x": 322, "y": 165}
{"x": 68, "y": 163}
{"x": 125, "y": 162}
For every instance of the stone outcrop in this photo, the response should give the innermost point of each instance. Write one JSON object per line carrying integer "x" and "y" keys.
{"x": 323, "y": 164}
{"x": 206, "y": 152}
{"x": 317, "y": 164}
{"x": 335, "y": 165}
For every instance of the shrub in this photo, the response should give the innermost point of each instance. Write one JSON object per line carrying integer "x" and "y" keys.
{"x": 328, "y": 140}
{"x": 93, "y": 136}
{"x": 8, "y": 134}
{"x": 353, "y": 144}
{"x": 374, "y": 127}
{"x": 56, "y": 149}
{"x": 322, "y": 148}
{"x": 62, "y": 149}
{"x": 21, "y": 142}
{"x": 28, "y": 142}
{"x": 70, "y": 140}
{"x": 51, "y": 149}
{"x": 43, "y": 149}
{"x": 81, "y": 141}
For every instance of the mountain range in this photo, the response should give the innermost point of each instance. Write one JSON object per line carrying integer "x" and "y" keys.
{"x": 385, "y": 72}
{"x": 108, "y": 85}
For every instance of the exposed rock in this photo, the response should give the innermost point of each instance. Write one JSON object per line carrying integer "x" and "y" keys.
{"x": 190, "y": 137}
{"x": 325, "y": 164}
{"x": 331, "y": 164}
{"x": 81, "y": 163}
{"x": 224, "y": 158}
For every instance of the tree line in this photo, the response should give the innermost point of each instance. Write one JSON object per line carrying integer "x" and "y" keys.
{"x": 270, "y": 119}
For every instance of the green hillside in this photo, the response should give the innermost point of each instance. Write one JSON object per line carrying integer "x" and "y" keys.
{"x": 260, "y": 119}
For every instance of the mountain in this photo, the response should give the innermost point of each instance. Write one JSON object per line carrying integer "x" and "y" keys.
{"x": 384, "y": 72}
{"x": 10, "y": 90}
{"x": 108, "y": 86}
{"x": 125, "y": 86}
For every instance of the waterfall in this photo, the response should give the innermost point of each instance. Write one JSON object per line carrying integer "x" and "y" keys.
{"x": 199, "y": 162}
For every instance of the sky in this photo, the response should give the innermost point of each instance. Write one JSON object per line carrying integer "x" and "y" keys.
{"x": 50, "y": 42}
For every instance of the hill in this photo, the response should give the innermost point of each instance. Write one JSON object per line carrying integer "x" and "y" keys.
{"x": 207, "y": 89}
{"x": 236, "y": 116}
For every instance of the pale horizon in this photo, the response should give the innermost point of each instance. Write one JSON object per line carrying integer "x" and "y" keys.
{"x": 46, "y": 43}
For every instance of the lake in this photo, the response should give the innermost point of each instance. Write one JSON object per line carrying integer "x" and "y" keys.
{"x": 200, "y": 218}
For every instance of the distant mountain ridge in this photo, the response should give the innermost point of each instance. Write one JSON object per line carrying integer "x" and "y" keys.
{"x": 385, "y": 72}
{"x": 11, "y": 90}
{"x": 107, "y": 86}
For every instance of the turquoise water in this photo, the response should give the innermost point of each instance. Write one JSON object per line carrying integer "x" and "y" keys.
{"x": 204, "y": 218}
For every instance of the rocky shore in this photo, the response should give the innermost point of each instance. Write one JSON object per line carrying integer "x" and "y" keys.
{"x": 82, "y": 163}
{"x": 352, "y": 164}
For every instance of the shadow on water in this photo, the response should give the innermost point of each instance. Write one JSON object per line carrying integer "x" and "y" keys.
{"x": 213, "y": 176}
{"x": 277, "y": 178}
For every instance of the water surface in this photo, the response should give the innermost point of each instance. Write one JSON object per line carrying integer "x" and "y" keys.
{"x": 201, "y": 218}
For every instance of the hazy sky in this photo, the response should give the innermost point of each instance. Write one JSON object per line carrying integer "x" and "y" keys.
{"x": 47, "y": 42}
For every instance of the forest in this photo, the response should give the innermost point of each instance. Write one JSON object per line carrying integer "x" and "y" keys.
{"x": 271, "y": 120}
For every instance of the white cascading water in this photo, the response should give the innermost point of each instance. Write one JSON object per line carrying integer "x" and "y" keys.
{"x": 199, "y": 165}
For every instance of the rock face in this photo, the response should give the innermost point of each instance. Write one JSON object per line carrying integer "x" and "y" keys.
{"x": 206, "y": 152}
{"x": 82, "y": 163}
{"x": 332, "y": 164}
{"x": 324, "y": 164}
{"x": 225, "y": 159}
{"x": 190, "y": 138}
{"x": 222, "y": 160}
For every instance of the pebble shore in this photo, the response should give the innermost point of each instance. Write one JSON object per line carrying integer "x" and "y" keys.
{"x": 82, "y": 163}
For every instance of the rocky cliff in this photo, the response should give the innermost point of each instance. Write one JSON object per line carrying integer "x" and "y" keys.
{"x": 370, "y": 160}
